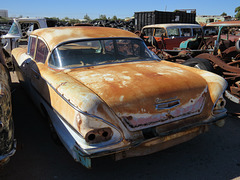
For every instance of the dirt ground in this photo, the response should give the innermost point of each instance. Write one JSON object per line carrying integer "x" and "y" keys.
{"x": 212, "y": 155}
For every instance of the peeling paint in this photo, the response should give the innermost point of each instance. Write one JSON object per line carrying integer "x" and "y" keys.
{"x": 121, "y": 98}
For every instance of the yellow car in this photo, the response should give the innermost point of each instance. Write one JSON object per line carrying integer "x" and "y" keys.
{"x": 105, "y": 93}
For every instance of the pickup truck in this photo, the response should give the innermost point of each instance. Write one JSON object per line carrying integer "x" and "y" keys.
{"x": 18, "y": 35}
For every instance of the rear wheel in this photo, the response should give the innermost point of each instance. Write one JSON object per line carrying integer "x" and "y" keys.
{"x": 199, "y": 63}
{"x": 53, "y": 132}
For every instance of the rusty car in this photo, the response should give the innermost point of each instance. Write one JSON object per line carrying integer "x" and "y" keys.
{"x": 106, "y": 94}
{"x": 7, "y": 141}
{"x": 169, "y": 36}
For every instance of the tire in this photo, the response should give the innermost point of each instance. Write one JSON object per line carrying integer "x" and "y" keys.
{"x": 52, "y": 130}
{"x": 199, "y": 63}
{"x": 54, "y": 134}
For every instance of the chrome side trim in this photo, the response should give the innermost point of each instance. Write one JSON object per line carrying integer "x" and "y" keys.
{"x": 72, "y": 132}
{"x": 73, "y": 106}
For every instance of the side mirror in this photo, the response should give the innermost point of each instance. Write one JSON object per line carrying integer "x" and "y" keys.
{"x": 238, "y": 45}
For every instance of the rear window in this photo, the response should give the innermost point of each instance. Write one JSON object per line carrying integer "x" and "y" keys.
{"x": 101, "y": 51}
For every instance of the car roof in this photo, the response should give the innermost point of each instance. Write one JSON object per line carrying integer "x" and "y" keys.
{"x": 56, "y": 35}
{"x": 171, "y": 25}
{"x": 224, "y": 23}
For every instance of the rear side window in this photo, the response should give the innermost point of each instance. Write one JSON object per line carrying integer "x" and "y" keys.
{"x": 197, "y": 31}
{"x": 186, "y": 32}
{"x": 31, "y": 46}
{"x": 41, "y": 51}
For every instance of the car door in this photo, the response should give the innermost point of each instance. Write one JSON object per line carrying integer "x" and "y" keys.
{"x": 23, "y": 66}
{"x": 38, "y": 83}
{"x": 174, "y": 38}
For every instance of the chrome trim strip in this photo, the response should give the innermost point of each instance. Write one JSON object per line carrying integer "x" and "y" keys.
{"x": 93, "y": 148}
{"x": 73, "y": 106}
{"x": 75, "y": 131}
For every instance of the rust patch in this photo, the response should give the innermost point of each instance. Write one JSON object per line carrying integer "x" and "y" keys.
{"x": 55, "y": 35}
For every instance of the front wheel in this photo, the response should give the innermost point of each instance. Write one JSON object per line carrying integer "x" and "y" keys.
{"x": 199, "y": 63}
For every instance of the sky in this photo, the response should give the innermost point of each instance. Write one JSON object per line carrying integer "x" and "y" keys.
{"x": 121, "y": 8}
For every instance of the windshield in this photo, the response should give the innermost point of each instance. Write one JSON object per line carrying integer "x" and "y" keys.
{"x": 101, "y": 51}
{"x": 14, "y": 29}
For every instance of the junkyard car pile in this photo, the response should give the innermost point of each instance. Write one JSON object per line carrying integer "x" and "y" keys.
{"x": 107, "y": 94}
{"x": 221, "y": 44}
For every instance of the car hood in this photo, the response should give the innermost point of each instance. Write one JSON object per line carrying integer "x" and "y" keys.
{"x": 146, "y": 93}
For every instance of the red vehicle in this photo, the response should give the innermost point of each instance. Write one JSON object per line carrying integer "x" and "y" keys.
{"x": 169, "y": 36}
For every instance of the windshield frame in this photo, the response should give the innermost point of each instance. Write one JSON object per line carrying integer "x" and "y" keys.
{"x": 152, "y": 56}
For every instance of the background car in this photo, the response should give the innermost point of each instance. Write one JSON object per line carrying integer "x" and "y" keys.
{"x": 169, "y": 36}
{"x": 105, "y": 93}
